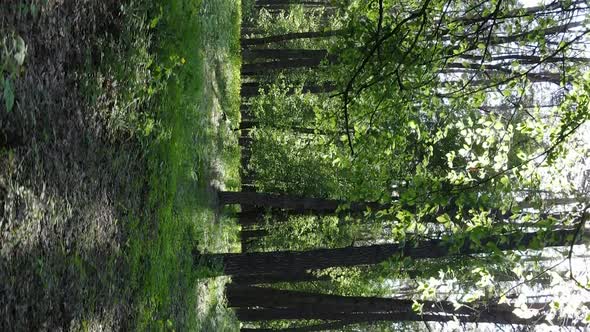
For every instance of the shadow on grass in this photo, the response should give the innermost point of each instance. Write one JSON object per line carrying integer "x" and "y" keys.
{"x": 116, "y": 150}
{"x": 70, "y": 183}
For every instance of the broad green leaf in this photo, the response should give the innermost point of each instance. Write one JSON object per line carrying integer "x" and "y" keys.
{"x": 504, "y": 180}
{"x": 154, "y": 22}
{"x": 417, "y": 307}
{"x": 443, "y": 219}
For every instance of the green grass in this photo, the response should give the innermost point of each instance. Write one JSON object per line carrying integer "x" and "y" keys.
{"x": 190, "y": 152}
{"x": 109, "y": 170}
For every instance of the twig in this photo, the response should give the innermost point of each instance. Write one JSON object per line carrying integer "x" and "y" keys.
{"x": 569, "y": 256}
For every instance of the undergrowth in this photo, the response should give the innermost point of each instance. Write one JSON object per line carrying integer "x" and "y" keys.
{"x": 179, "y": 94}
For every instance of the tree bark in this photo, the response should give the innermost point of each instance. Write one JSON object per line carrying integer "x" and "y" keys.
{"x": 296, "y": 314}
{"x": 282, "y": 262}
{"x": 331, "y": 326}
{"x": 319, "y": 3}
{"x": 256, "y": 233}
{"x": 527, "y": 59}
{"x": 262, "y": 297}
{"x": 252, "y": 69}
{"x": 501, "y": 69}
{"x": 291, "y": 36}
{"x": 276, "y": 278}
{"x": 514, "y": 38}
{"x": 251, "y": 89}
{"x": 296, "y": 204}
{"x": 265, "y": 304}
{"x": 283, "y": 54}
{"x": 295, "y": 129}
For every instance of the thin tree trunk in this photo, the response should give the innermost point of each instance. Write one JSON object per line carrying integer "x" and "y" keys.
{"x": 527, "y": 59}
{"x": 276, "y": 278}
{"x": 251, "y": 234}
{"x": 514, "y": 38}
{"x": 283, "y": 54}
{"x": 296, "y": 129}
{"x": 518, "y": 12}
{"x": 250, "y": 217}
{"x": 291, "y": 36}
{"x": 499, "y": 69}
{"x": 245, "y": 143}
{"x": 251, "y": 89}
{"x": 297, "y": 204}
{"x": 252, "y": 69}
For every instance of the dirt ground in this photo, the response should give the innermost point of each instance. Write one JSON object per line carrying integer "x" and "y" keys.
{"x": 66, "y": 183}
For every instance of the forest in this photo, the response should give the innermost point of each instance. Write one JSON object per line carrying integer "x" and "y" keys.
{"x": 295, "y": 165}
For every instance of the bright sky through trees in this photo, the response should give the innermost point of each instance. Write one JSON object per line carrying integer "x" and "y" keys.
{"x": 452, "y": 121}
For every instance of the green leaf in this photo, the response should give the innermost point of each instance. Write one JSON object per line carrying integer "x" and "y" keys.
{"x": 443, "y": 219}
{"x": 8, "y": 95}
{"x": 505, "y": 180}
{"x": 154, "y": 22}
{"x": 417, "y": 307}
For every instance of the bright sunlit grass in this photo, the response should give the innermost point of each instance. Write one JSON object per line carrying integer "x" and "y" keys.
{"x": 181, "y": 158}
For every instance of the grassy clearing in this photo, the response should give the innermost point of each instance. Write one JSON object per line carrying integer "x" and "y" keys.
{"x": 108, "y": 170}
{"x": 190, "y": 159}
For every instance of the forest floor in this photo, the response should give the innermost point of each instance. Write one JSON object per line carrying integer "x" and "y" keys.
{"x": 119, "y": 137}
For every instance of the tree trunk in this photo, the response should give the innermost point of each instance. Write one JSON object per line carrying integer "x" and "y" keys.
{"x": 251, "y": 89}
{"x": 276, "y": 278}
{"x": 250, "y": 217}
{"x": 331, "y": 326}
{"x": 295, "y": 129}
{"x": 281, "y": 262}
{"x": 291, "y": 36}
{"x": 527, "y": 59}
{"x": 250, "y": 234}
{"x": 258, "y": 304}
{"x": 514, "y": 38}
{"x": 473, "y": 68}
{"x": 319, "y": 3}
{"x": 296, "y": 204}
{"x": 246, "y": 174}
{"x": 261, "y": 297}
{"x": 296, "y": 314}
{"x": 283, "y": 54}
{"x": 252, "y": 69}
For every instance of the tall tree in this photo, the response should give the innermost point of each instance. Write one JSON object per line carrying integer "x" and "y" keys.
{"x": 262, "y": 263}
{"x": 298, "y": 204}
